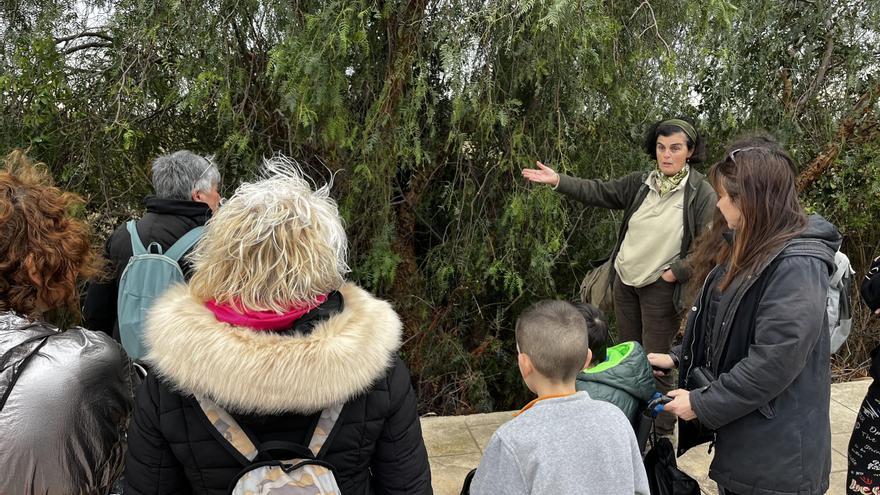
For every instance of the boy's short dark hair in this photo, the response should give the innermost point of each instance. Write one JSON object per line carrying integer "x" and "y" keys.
{"x": 597, "y": 330}
{"x": 554, "y": 335}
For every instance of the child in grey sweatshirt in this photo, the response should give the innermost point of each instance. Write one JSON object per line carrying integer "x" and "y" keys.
{"x": 563, "y": 442}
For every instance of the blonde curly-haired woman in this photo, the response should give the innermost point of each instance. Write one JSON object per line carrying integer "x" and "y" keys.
{"x": 269, "y": 330}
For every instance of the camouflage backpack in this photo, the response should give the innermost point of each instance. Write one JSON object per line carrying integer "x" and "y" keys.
{"x": 304, "y": 474}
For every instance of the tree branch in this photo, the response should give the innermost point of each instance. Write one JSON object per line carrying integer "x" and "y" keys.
{"x": 820, "y": 75}
{"x": 785, "y": 75}
{"x": 84, "y": 34}
{"x": 83, "y": 46}
{"x": 651, "y": 24}
{"x": 852, "y": 126}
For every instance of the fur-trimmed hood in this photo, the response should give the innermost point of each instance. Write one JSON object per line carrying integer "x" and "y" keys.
{"x": 266, "y": 373}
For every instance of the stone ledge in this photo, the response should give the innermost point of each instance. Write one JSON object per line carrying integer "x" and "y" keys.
{"x": 455, "y": 443}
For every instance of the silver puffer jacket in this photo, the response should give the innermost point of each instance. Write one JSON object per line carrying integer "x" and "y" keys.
{"x": 65, "y": 400}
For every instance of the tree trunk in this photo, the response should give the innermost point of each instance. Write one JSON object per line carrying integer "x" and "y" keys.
{"x": 856, "y": 123}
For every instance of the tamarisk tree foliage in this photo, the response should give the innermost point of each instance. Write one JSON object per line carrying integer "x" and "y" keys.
{"x": 423, "y": 112}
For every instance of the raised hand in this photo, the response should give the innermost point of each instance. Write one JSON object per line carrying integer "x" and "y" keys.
{"x": 542, "y": 175}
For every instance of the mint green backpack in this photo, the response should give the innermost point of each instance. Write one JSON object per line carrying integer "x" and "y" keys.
{"x": 146, "y": 277}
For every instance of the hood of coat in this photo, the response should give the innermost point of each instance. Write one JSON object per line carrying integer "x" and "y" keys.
{"x": 820, "y": 239}
{"x": 246, "y": 371}
{"x": 823, "y": 231}
{"x": 626, "y": 368}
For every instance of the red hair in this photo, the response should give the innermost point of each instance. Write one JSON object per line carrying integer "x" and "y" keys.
{"x": 43, "y": 249}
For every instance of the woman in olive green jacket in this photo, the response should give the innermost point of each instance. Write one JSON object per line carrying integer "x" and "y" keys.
{"x": 664, "y": 211}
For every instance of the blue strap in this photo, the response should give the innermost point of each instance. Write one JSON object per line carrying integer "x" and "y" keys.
{"x": 137, "y": 247}
{"x": 184, "y": 244}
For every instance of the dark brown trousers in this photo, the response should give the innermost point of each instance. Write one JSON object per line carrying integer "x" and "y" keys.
{"x": 647, "y": 315}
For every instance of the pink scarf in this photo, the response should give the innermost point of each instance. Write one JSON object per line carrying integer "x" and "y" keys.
{"x": 262, "y": 320}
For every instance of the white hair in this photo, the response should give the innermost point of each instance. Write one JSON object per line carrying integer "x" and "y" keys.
{"x": 275, "y": 243}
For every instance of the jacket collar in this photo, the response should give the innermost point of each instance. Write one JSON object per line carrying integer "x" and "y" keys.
{"x": 270, "y": 373}
{"x": 542, "y": 398}
{"x": 694, "y": 178}
{"x": 20, "y": 339}
{"x": 191, "y": 209}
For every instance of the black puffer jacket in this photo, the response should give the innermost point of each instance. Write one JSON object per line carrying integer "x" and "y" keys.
{"x": 272, "y": 384}
{"x": 768, "y": 346}
{"x": 166, "y": 221}
{"x": 65, "y": 400}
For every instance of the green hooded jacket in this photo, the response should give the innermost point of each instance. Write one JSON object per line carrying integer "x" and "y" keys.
{"x": 624, "y": 379}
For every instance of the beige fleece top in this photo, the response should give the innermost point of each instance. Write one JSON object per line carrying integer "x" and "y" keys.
{"x": 653, "y": 239}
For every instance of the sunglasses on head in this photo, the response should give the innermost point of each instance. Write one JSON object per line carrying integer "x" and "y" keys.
{"x": 733, "y": 153}
{"x": 208, "y": 167}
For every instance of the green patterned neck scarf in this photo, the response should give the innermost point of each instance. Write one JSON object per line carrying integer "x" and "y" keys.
{"x": 665, "y": 183}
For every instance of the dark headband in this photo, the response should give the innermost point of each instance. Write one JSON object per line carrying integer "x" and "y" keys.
{"x": 687, "y": 128}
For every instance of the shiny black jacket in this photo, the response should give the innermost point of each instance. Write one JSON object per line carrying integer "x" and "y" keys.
{"x": 65, "y": 400}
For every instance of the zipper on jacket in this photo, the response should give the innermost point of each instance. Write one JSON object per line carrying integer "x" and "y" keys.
{"x": 697, "y": 310}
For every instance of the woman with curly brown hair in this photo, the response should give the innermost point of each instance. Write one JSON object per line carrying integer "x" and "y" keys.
{"x": 65, "y": 395}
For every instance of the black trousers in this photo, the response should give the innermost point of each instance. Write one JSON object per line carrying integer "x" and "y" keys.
{"x": 647, "y": 315}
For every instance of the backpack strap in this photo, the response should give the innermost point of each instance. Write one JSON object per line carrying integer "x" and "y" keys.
{"x": 14, "y": 361}
{"x": 184, "y": 244}
{"x": 294, "y": 450}
{"x": 842, "y": 268}
{"x": 321, "y": 436}
{"x": 137, "y": 247}
{"x": 229, "y": 432}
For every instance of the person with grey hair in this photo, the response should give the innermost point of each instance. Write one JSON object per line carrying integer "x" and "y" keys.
{"x": 186, "y": 187}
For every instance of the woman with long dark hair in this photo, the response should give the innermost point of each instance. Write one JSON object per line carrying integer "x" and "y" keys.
{"x": 754, "y": 364}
